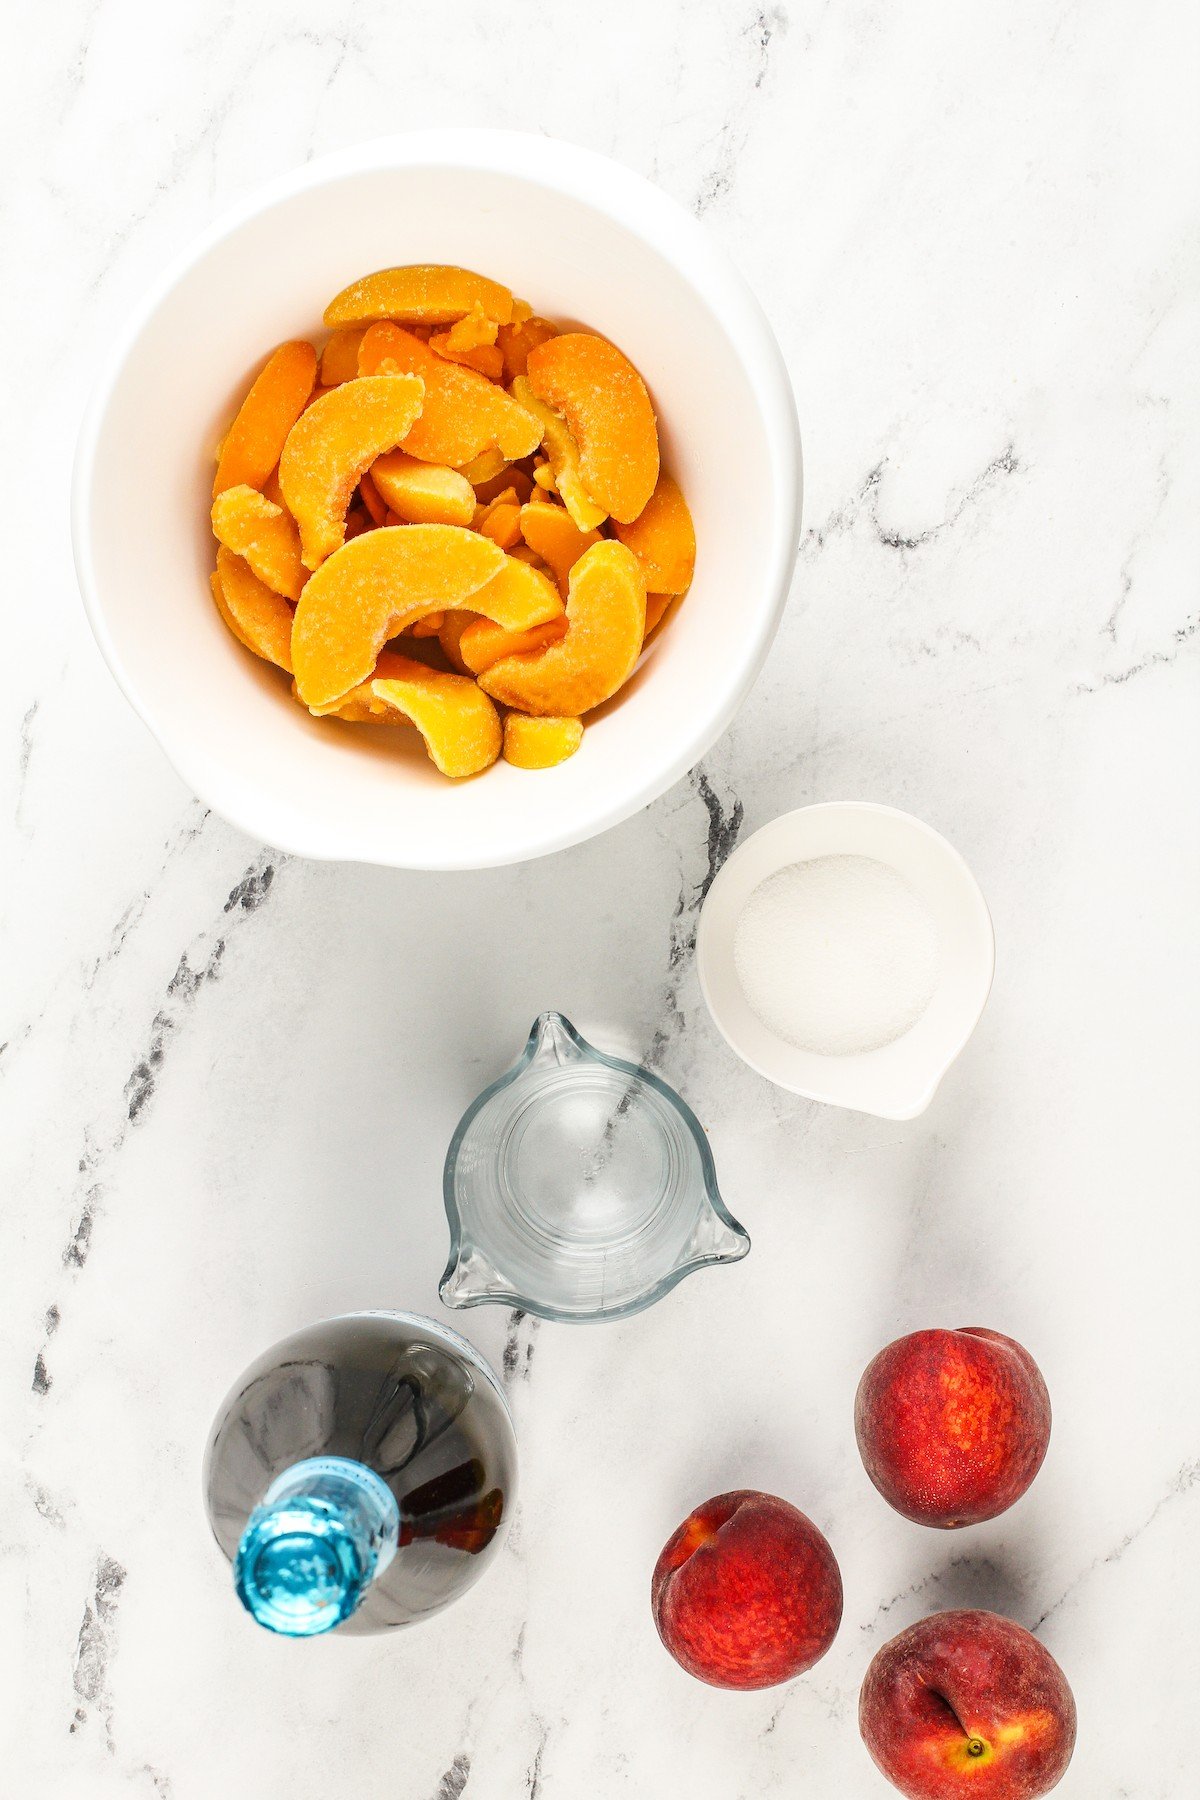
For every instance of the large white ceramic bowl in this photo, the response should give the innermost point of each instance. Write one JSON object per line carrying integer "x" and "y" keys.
{"x": 587, "y": 242}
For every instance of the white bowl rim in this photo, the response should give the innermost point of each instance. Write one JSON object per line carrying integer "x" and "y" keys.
{"x": 643, "y": 209}
{"x": 912, "y": 1102}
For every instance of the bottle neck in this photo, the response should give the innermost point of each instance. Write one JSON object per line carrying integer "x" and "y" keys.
{"x": 321, "y": 1534}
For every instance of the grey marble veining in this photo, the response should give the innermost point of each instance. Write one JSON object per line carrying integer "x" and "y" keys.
{"x": 228, "y": 1077}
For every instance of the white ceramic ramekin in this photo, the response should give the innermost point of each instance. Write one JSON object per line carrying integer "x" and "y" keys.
{"x": 900, "y": 1080}
{"x": 585, "y": 241}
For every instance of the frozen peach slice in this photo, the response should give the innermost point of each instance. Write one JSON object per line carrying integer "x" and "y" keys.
{"x": 608, "y": 413}
{"x": 231, "y": 624}
{"x": 255, "y": 613}
{"x": 335, "y": 443}
{"x": 562, "y": 473}
{"x": 472, "y": 332}
{"x": 482, "y": 643}
{"x": 463, "y": 413}
{"x": 500, "y": 519}
{"x": 359, "y": 706}
{"x": 422, "y": 493}
{"x": 424, "y": 293}
{"x": 540, "y": 743}
{"x": 663, "y": 539}
{"x": 254, "y": 528}
{"x": 524, "y": 554}
{"x": 606, "y": 622}
{"x": 515, "y": 341}
{"x": 374, "y": 587}
{"x": 486, "y": 360}
{"x": 254, "y": 441}
{"x": 472, "y": 342}
{"x": 454, "y": 625}
{"x": 339, "y": 358}
{"x": 508, "y": 477}
{"x": 554, "y": 535}
{"x": 460, "y": 725}
{"x": 518, "y": 597}
{"x": 488, "y": 466}
{"x": 371, "y": 499}
{"x": 656, "y": 606}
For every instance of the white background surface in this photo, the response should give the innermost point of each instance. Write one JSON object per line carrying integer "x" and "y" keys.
{"x": 228, "y": 1078}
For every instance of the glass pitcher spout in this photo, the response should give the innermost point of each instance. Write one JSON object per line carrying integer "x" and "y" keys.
{"x": 553, "y": 1040}
{"x": 580, "y": 1186}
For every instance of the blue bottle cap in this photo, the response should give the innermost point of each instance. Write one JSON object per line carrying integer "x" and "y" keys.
{"x": 300, "y": 1569}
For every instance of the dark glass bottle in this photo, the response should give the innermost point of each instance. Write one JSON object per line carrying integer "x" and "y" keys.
{"x": 361, "y": 1474}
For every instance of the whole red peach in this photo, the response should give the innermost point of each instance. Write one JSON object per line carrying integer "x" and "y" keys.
{"x": 952, "y": 1426}
{"x": 968, "y": 1704}
{"x": 747, "y": 1592}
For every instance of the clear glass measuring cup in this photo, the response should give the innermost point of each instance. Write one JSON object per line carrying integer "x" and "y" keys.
{"x": 579, "y": 1186}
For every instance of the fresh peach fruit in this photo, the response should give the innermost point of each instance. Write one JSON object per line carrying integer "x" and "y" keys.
{"x": 952, "y": 1426}
{"x": 747, "y": 1592}
{"x": 967, "y": 1706}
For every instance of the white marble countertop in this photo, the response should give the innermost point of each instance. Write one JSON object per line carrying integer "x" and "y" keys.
{"x": 228, "y": 1084}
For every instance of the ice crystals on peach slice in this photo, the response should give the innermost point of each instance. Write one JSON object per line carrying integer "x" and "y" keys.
{"x": 540, "y": 743}
{"x": 264, "y": 535}
{"x": 606, "y": 623}
{"x": 372, "y": 589}
{"x": 333, "y": 445}
{"x": 607, "y": 409}
{"x": 463, "y": 415}
{"x": 257, "y": 616}
{"x": 422, "y": 293}
{"x": 460, "y": 725}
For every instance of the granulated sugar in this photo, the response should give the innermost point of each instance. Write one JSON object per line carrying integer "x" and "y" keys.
{"x": 838, "y": 955}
